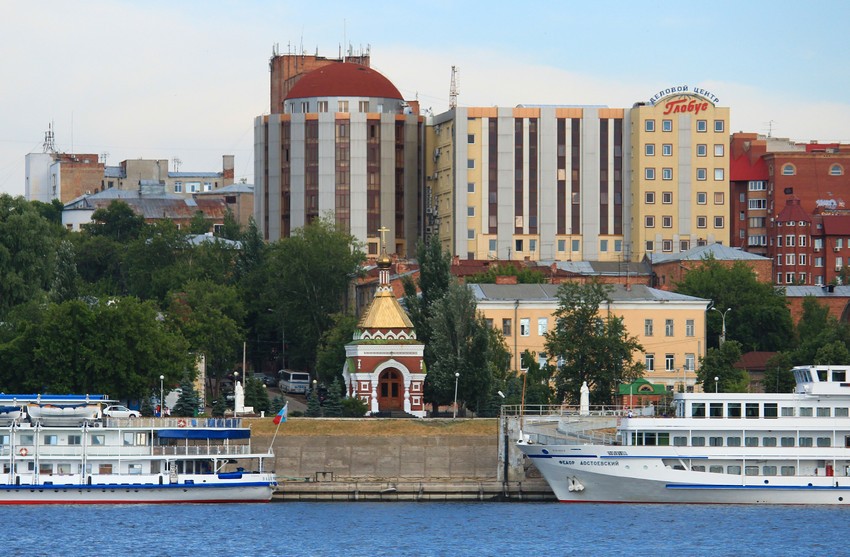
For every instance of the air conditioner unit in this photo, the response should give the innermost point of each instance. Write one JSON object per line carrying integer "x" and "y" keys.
{"x": 836, "y": 249}
{"x": 429, "y": 230}
{"x": 429, "y": 210}
{"x": 434, "y": 176}
{"x": 818, "y": 249}
{"x": 838, "y": 268}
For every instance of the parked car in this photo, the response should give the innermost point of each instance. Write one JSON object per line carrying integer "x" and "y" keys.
{"x": 118, "y": 411}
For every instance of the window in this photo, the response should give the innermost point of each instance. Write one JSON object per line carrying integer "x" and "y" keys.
{"x": 718, "y": 150}
{"x": 649, "y": 197}
{"x": 518, "y": 245}
{"x": 666, "y": 125}
{"x": 757, "y": 185}
{"x": 649, "y": 221}
{"x": 470, "y": 187}
{"x": 470, "y": 211}
{"x": 470, "y": 233}
{"x": 532, "y": 245}
{"x": 702, "y": 126}
{"x": 667, "y": 221}
{"x": 603, "y": 245}
{"x": 757, "y": 222}
{"x": 702, "y": 174}
{"x": 768, "y": 442}
{"x": 757, "y": 204}
{"x": 715, "y": 442}
{"x": 719, "y": 198}
{"x": 836, "y": 170}
{"x": 718, "y": 222}
{"x": 647, "y": 327}
{"x": 790, "y": 259}
{"x": 575, "y": 245}
{"x": 818, "y": 261}
{"x": 98, "y": 439}
{"x": 702, "y": 149}
{"x": 51, "y": 439}
{"x": 698, "y": 441}
{"x": 698, "y": 410}
{"x": 649, "y": 125}
{"x": 702, "y": 198}
{"x": 649, "y": 149}
{"x": 506, "y": 327}
{"x": 689, "y": 327}
{"x": 666, "y": 173}
{"x": 542, "y": 325}
{"x": 362, "y": 106}
{"x": 751, "y": 410}
{"x": 178, "y": 187}
{"x": 667, "y": 150}
{"x": 689, "y": 362}
{"x": 650, "y": 245}
{"x": 667, "y": 245}
{"x": 470, "y": 138}
{"x": 805, "y": 442}
{"x": 667, "y": 197}
{"x": 649, "y": 173}
{"x": 649, "y": 362}
{"x": 718, "y": 126}
{"x": 342, "y": 106}
{"x": 718, "y": 174}
{"x": 735, "y": 441}
{"x": 75, "y": 439}
{"x": 668, "y": 327}
{"x": 618, "y": 246}
{"x": 669, "y": 362}
{"x": 524, "y": 327}
{"x": 562, "y": 245}
{"x": 470, "y": 163}
{"x": 802, "y": 241}
{"x": 788, "y": 170}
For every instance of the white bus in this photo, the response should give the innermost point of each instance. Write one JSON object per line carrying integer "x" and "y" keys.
{"x": 294, "y": 381}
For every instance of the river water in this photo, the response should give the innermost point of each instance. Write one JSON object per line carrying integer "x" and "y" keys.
{"x": 422, "y": 529}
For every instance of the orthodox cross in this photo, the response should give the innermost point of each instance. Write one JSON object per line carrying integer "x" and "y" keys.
{"x": 383, "y": 230}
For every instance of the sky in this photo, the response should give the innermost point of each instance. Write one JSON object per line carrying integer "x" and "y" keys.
{"x": 184, "y": 79}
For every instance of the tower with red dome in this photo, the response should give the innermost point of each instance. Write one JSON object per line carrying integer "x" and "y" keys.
{"x": 341, "y": 141}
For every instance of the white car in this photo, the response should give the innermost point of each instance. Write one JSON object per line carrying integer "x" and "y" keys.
{"x": 118, "y": 411}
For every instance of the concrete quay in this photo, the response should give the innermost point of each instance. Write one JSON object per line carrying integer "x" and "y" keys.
{"x": 531, "y": 490}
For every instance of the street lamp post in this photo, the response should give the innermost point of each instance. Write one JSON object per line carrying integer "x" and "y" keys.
{"x": 454, "y": 412}
{"x": 161, "y": 391}
{"x": 716, "y": 379}
{"x": 723, "y": 328}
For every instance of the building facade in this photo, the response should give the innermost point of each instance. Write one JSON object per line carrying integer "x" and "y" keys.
{"x": 669, "y": 326}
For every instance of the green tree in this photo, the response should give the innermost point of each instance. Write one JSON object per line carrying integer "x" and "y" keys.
{"x": 257, "y": 396}
{"x": 199, "y": 223}
{"x": 188, "y": 403}
{"x": 834, "y": 353}
{"x": 759, "y": 319}
{"x": 117, "y": 222}
{"x": 815, "y": 330}
{"x": 778, "y": 377}
{"x": 330, "y": 357}
{"x": 153, "y": 262}
{"x": 590, "y": 347}
{"x": 67, "y": 280}
{"x": 314, "y": 409}
{"x": 461, "y": 346}
{"x": 433, "y": 283}
{"x": 525, "y": 275}
{"x": 230, "y": 228}
{"x": 99, "y": 264}
{"x": 353, "y": 407}
{"x": 720, "y": 363}
{"x": 308, "y": 278}
{"x": 333, "y": 404}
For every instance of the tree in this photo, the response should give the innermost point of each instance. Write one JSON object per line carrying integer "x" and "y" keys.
{"x": 188, "y": 402}
{"x": 720, "y": 363}
{"x": 230, "y": 228}
{"x": 333, "y": 405}
{"x": 460, "y": 344}
{"x": 589, "y": 347}
{"x": 199, "y": 223}
{"x": 759, "y": 319}
{"x": 153, "y": 262}
{"x": 330, "y": 356}
{"x": 307, "y": 281}
{"x": 524, "y": 275}
{"x": 834, "y": 353}
{"x": 778, "y": 377}
{"x": 433, "y": 283}
{"x": 314, "y": 409}
{"x": 815, "y": 330}
{"x": 117, "y": 222}
{"x": 66, "y": 283}
{"x": 257, "y": 396}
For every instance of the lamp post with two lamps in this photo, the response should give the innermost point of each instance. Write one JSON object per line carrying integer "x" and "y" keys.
{"x": 723, "y": 327}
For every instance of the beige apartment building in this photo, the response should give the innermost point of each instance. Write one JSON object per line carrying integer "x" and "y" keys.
{"x": 669, "y": 326}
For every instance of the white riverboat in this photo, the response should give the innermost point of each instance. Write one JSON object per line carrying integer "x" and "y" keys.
{"x": 61, "y": 450}
{"x": 717, "y": 448}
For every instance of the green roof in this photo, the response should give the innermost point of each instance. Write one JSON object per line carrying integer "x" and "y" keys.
{"x": 641, "y": 387}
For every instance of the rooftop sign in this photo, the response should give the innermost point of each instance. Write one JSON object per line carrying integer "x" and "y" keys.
{"x": 684, "y": 90}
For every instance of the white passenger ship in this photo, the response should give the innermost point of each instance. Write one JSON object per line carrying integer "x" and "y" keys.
{"x": 718, "y": 448}
{"x": 60, "y": 450}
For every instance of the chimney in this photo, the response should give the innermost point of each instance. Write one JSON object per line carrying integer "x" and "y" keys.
{"x": 227, "y": 164}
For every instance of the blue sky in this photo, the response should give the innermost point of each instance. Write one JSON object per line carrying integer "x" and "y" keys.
{"x": 166, "y": 79}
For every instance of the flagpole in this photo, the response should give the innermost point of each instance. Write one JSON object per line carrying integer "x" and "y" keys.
{"x": 277, "y": 429}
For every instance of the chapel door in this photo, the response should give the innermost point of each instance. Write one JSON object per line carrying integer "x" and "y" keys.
{"x": 390, "y": 391}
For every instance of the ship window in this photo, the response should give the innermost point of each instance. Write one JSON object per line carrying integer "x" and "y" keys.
{"x": 788, "y": 411}
{"x": 734, "y": 410}
{"x": 698, "y": 410}
{"x": 751, "y": 470}
{"x": 806, "y": 411}
{"x": 822, "y": 372}
{"x": 128, "y": 438}
{"x": 135, "y": 468}
{"x": 751, "y": 441}
{"x": 51, "y": 439}
{"x": 648, "y": 438}
{"x": 26, "y": 439}
{"x": 75, "y": 439}
{"x": 823, "y": 412}
{"x": 768, "y": 470}
{"x": 806, "y": 442}
{"x": 700, "y": 441}
{"x": 715, "y": 441}
{"x": 104, "y": 469}
{"x": 679, "y": 441}
{"x": 98, "y": 440}
{"x": 768, "y": 442}
{"x": 770, "y": 410}
{"x": 4, "y": 439}
{"x": 839, "y": 376}
{"x": 716, "y": 469}
{"x": 45, "y": 468}
{"x": 63, "y": 468}
{"x": 787, "y": 442}
{"x": 733, "y": 441}
{"x": 733, "y": 469}
{"x": 663, "y": 439}
{"x": 841, "y": 412}
{"x": 698, "y": 468}
{"x": 824, "y": 442}
{"x": 752, "y": 410}
{"x": 788, "y": 470}
{"x": 715, "y": 409}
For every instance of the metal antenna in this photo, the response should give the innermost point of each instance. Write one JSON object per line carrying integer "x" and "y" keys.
{"x": 48, "y": 146}
{"x": 453, "y": 89}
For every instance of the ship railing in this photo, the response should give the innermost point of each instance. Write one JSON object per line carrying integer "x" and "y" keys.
{"x": 568, "y": 424}
{"x": 203, "y": 450}
{"x": 222, "y": 423}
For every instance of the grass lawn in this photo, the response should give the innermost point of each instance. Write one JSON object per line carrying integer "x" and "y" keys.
{"x": 375, "y": 427}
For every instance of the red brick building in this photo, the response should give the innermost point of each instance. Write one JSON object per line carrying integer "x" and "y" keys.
{"x": 670, "y": 268}
{"x": 836, "y": 298}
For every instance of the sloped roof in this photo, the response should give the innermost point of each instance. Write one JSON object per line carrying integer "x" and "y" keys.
{"x": 718, "y": 251}
{"x": 792, "y": 291}
{"x": 754, "y": 361}
{"x": 793, "y": 211}
{"x": 836, "y": 225}
{"x": 549, "y": 292}
{"x": 343, "y": 79}
{"x": 384, "y": 312}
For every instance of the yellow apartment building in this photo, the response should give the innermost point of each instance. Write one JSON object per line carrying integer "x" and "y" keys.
{"x": 680, "y": 172}
{"x": 669, "y": 326}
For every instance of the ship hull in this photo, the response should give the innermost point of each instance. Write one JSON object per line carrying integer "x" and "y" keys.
{"x": 255, "y": 492}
